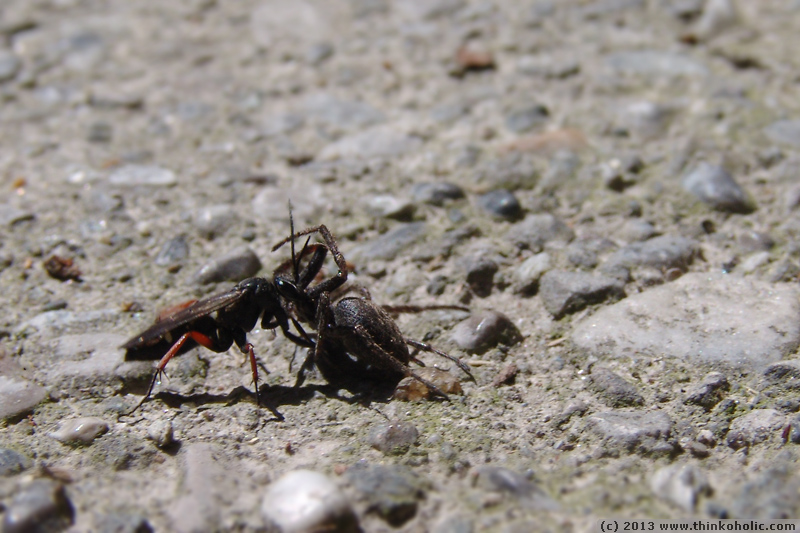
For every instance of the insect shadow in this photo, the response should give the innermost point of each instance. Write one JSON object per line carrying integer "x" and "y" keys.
{"x": 357, "y": 339}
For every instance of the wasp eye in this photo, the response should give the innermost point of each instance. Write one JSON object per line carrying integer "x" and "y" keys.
{"x": 287, "y": 289}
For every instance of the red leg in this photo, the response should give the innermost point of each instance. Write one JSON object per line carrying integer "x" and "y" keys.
{"x": 199, "y": 338}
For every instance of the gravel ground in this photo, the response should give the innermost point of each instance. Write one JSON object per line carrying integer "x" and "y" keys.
{"x": 610, "y": 187}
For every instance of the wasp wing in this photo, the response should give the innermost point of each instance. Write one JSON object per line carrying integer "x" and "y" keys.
{"x": 184, "y": 316}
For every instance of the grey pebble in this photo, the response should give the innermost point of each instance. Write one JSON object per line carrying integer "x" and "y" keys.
{"x": 614, "y": 390}
{"x": 755, "y": 241}
{"x": 663, "y": 252}
{"x": 302, "y": 501}
{"x": 637, "y": 230}
{"x": 681, "y": 484}
{"x": 161, "y": 433}
{"x": 9, "y": 65}
{"x": 656, "y": 62}
{"x": 537, "y": 230}
{"x": 40, "y": 506}
{"x": 19, "y": 396}
{"x": 391, "y": 243}
{"x": 503, "y": 480}
{"x": 80, "y": 430}
{"x": 586, "y": 252}
{"x": 394, "y": 438}
{"x": 708, "y": 392}
{"x": 392, "y": 492}
{"x": 454, "y": 523}
{"x": 100, "y": 132}
{"x": 389, "y": 206}
{"x": 484, "y": 330}
{"x": 207, "y": 478}
{"x": 12, "y": 462}
{"x": 718, "y": 15}
{"x": 564, "y": 292}
{"x": 525, "y": 119}
{"x": 560, "y": 169}
{"x": 10, "y": 215}
{"x": 633, "y": 432}
{"x": 527, "y": 275}
{"x": 755, "y": 427}
{"x": 501, "y": 203}
{"x": 214, "y": 220}
{"x": 714, "y": 186}
{"x": 142, "y": 175}
{"x": 784, "y": 131}
{"x": 319, "y": 52}
{"x": 510, "y": 172}
{"x": 172, "y": 252}
{"x": 436, "y": 193}
{"x": 784, "y": 373}
{"x": 344, "y": 115}
{"x": 374, "y": 143}
{"x": 794, "y": 430}
{"x": 699, "y": 317}
{"x": 770, "y": 494}
{"x": 236, "y": 265}
{"x": 122, "y": 523}
{"x": 645, "y": 119}
{"x": 480, "y": 270}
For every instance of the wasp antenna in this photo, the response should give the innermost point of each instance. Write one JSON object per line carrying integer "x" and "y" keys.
{"x": 291, "y": 233}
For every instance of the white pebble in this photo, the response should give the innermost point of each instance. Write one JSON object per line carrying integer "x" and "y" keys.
{"x": 80, "y": 430}
{"x": 303, "y": 501}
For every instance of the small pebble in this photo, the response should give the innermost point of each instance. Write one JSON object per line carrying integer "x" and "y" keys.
{"x": 436, "y": 193}
{"x": 390, "y": 244}
{"x": 681, "y": 485}
{"x": 564, "y": 292}
{"x": 501, "y": 204}
{"x": 161, "y": 433}
{"x": 19, "y": 396}
{"x": 527, "y": 275}
{"x": 238, "y": 264}
{"x": 485, "y": 330}
{"x": 718, "y": 15}
{"x": 784, "y": 131}
{"x": 709, "y": 392}
{"x": 525, "y": 119}
{"x": 318, "y": 53}
{"x": 302, "y": 501}
{"x": 80, "y": 430}
{"x": 784, "y": 373}
{"x": 394, "y": 438}
{"x": 9, "y": 65}
{"x": 503, "y": 480}
{"x": 389, "y": 206}
{"x": 537, "y": 230}
{"x": 637, "y": 230}
{"x": 506, "y": 376}
{"x": 100, "y": 132}
{"x": 136, "y": 175}
{"x": 214, "y": 220}
{"x": 633, "y": 431}
{"x": 39, "y": 507}
{"x": 392, "y": 492}
{"x": 412, "y": 390}
{"x": 755, "y": 427}
{"x": 717, "y": 188}
{"x": 12, "y": 462}
{"x": 172, "y": 252}
{"x": 656, "y": 63}
{"x": 480, "y": 271}
{"x": 613, "y": 389}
